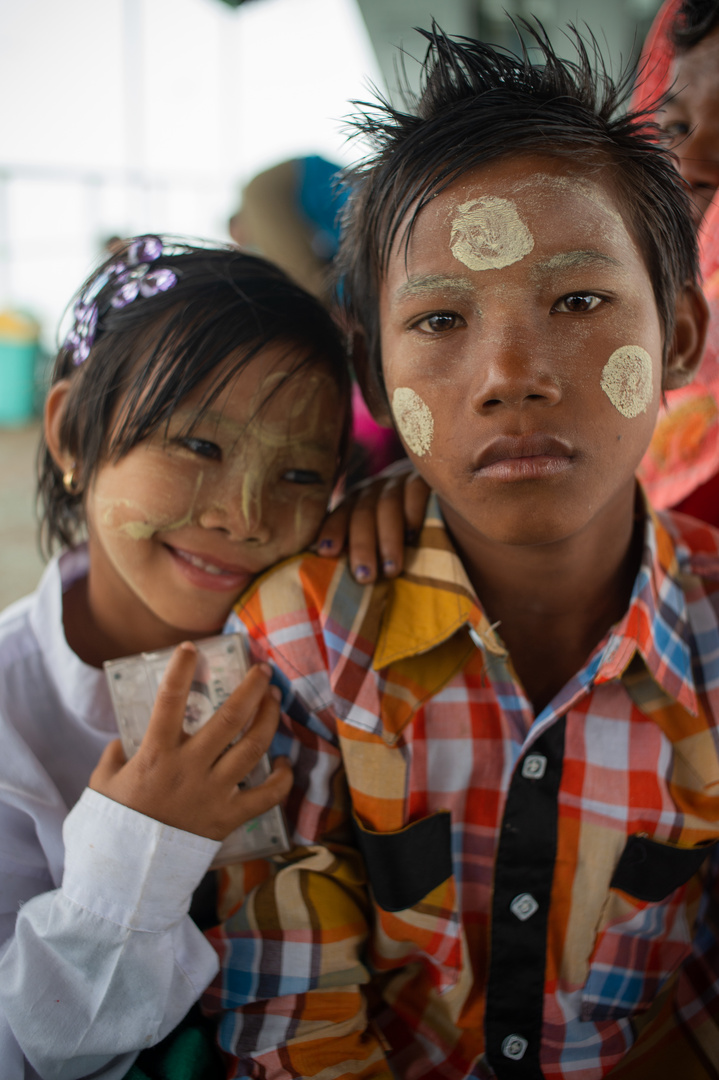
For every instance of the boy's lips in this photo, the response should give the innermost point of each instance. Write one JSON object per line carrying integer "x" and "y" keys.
{"x": 208, "y": 572}
{"x": 523, "y": 457}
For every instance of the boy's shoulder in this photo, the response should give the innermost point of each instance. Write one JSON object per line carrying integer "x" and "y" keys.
{"x": 306, "y": 599}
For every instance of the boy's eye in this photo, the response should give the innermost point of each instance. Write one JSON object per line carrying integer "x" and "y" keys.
{"x": 578, "y": 303}
{"x": 302, "y": 476}
{"x": 201, "y": 447}
{"x": 438, "y": 322}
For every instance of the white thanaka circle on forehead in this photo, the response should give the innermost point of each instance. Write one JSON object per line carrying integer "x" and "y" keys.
{"x": 628, "y": 380}
{"x": 414, "y": 420}
{"x": 488, "y": 234}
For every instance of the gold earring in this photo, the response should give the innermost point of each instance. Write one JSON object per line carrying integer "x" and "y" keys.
{"x": 69, "y": 480}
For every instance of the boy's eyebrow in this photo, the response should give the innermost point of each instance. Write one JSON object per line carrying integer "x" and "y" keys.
{"x": 567, "y": 260}
{"x": 431, "y": 283}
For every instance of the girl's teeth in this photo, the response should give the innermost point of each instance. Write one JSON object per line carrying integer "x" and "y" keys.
{"x": 201, "y": 564}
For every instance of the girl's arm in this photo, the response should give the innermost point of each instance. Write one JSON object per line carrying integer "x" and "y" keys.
{"x": 110, "y": 962}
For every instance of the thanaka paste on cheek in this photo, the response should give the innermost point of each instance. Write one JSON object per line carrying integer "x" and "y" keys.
{"x": 145, "y": 526}
{"x": 414, "y": 420}
{"x": 627, "y": 380}
{"x": 488, "y": 234}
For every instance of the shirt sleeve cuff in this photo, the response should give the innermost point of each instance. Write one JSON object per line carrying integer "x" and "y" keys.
{"x": 127, "y": 867}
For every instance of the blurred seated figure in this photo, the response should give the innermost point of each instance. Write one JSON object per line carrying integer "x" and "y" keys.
{"x": 290, "y": 214}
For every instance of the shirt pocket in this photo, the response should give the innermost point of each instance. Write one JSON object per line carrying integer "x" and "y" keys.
{"x": 414, "y": 897}
{"x": 647, "y": 927}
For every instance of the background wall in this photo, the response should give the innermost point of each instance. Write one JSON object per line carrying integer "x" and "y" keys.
{"x": 125, "y": 116}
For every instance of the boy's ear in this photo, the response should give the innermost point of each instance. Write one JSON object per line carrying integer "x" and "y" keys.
{"x": 373, "y": 393}
{"x": 687, "y": 346}
{"x": 54, "y": 412}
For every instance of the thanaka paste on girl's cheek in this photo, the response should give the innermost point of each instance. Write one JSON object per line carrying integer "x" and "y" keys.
{"x": 145, "y": 526}
{"x": 414, "y": 420}
{"x": 627, "y": 380}
{"x": 488, "y": 233}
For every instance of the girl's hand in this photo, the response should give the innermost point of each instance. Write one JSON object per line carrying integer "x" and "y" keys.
{"x": 380, "y": 515}
{"x": 190, "y": 782}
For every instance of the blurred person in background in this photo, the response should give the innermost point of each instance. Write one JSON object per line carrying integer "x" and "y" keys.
{"x": 290, "y": 214}
{"x": 681, "y": 59}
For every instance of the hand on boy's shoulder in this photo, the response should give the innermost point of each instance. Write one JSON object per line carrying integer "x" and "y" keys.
{"x": 375, "y": 520}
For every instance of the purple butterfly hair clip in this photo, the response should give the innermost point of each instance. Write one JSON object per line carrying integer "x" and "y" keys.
{"x": 131, "y": 278}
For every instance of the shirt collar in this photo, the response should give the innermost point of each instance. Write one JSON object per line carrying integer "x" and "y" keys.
{"x": 656, "y": 624}
{"x": 433, "y": 598}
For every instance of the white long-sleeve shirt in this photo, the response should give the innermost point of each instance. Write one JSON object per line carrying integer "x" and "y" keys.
{"x": 98, "y": 956}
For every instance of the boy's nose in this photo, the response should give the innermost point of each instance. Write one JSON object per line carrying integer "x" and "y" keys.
{"x": 509, "y": 373}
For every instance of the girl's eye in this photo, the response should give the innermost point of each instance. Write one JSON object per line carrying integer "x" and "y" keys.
{"x": 201, "y": 447}
{"x": 578, "y": 303}
{"x": 438, "y": 323}
{"x": 302, "y": 476}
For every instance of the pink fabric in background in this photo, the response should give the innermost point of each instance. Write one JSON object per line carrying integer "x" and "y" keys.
{"x": 379, "y": 443}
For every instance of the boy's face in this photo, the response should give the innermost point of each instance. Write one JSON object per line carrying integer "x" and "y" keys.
{"x": 522, "y": 353}
{"x": 691, "y": 119}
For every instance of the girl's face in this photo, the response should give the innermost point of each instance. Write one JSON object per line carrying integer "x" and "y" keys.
{"x": 180, "y": 525}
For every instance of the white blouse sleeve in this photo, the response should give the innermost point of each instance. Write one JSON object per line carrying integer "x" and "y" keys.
{"x": 110, "y": 962}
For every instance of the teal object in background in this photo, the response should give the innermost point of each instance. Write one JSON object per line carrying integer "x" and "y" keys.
{"x": 18, "y": 356}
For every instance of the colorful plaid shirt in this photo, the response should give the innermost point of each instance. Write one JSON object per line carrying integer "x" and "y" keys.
{"x": 476, "y": 890}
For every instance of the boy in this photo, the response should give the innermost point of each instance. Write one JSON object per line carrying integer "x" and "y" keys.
{"x": 506, "y": 761}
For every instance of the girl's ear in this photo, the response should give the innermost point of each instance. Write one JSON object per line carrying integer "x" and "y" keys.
{"x": 54, "y": 412}
{"x": 690, "y": 331}
{"x": 373, "y": 393}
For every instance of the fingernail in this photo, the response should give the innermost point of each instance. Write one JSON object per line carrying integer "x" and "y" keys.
{"x": 276, "y": 693}
{"x": 266, "y": 670}
{"x": 361, "y": 573}
{"x": 389, "y": 566}
{"x": 326, "y": 545}
{"x": 187, "y": 646}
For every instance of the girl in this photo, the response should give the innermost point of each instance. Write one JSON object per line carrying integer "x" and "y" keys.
{"x": 194, "y": 430}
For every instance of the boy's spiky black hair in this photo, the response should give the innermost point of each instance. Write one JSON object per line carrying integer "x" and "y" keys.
{"x": 478, "y": 104}
{"x": 695, "y": 19}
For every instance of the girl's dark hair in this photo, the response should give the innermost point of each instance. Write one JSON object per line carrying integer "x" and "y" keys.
{"x": 695, "y": 19}
{"x": 480, "y": 103}
{"x": 148, "y": 355}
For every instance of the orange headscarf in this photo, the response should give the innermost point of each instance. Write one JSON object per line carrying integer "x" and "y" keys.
{"x": 684, "y": 452}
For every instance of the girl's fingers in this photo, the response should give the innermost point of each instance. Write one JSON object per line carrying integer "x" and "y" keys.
{"x": 416, "y": 496}
{"x": 362, "y": 540}
{"x": 168, "y": 712}
{"x": 391, "y": 526}
{"x": 236, "y": 761}
{"x": 251, "y": 802}
{"x": 235, "y": 714}
{"x": 333, "y": 534}
{"x": 111, "y": 761}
